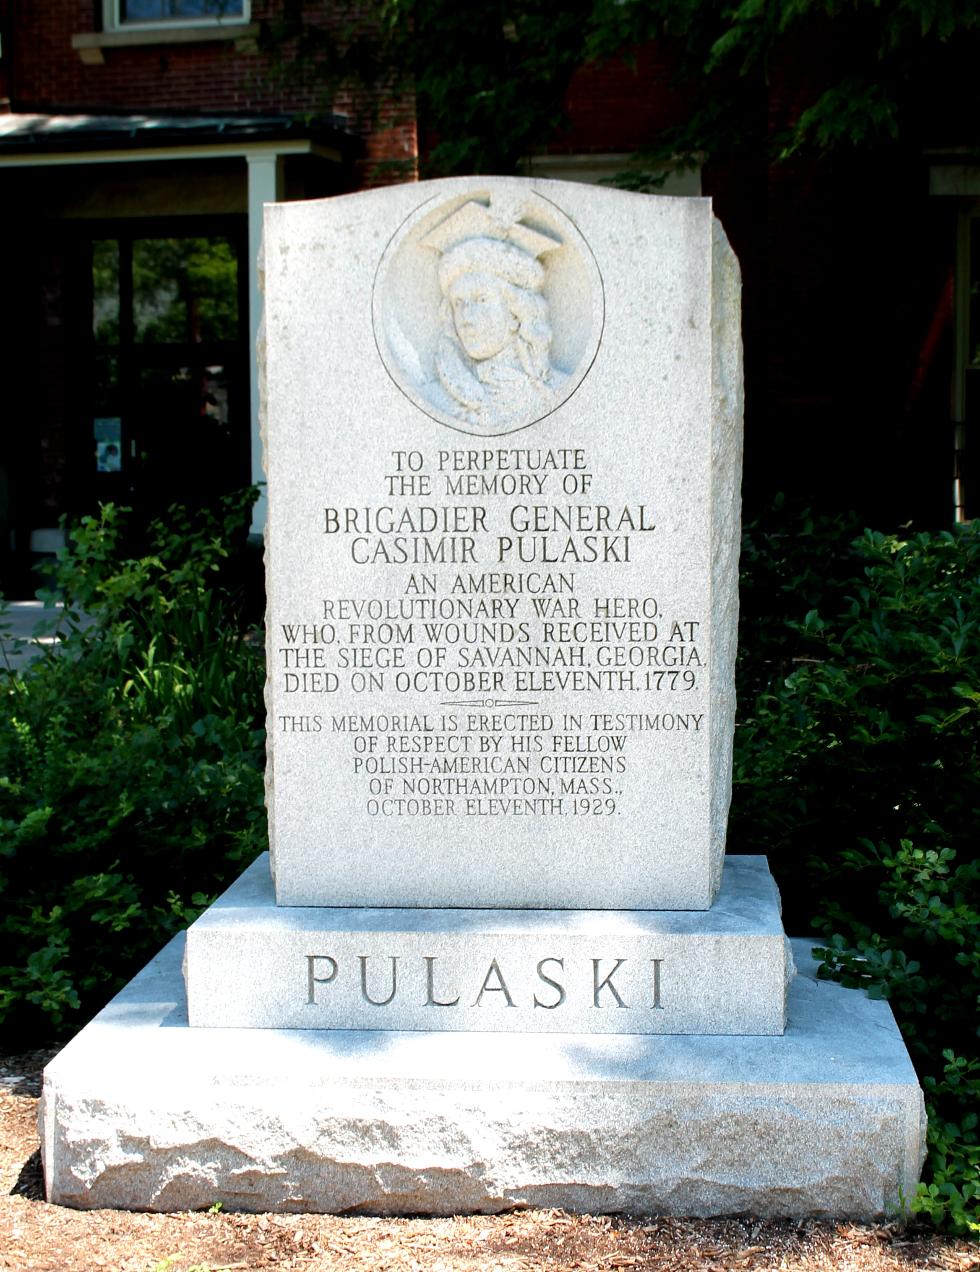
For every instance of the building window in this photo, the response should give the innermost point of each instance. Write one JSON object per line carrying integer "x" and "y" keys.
{"x": 163, "y": 387}
{"x": 123, "y": 14}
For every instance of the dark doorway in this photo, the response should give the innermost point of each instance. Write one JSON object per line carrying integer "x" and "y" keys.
{"x": 162, "y": 365}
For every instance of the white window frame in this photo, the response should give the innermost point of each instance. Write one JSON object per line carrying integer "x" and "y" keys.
{"x": 112, "y": 19}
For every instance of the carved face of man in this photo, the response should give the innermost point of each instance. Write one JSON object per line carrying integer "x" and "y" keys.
{"x": 482, "y": 317}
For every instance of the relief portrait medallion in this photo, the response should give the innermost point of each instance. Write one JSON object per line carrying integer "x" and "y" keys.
{"x": 488, "y": 309}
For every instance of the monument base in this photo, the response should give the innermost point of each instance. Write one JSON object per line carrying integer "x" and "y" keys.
{"x": 141, "y": 1112}
{"x": 718, "y": 971}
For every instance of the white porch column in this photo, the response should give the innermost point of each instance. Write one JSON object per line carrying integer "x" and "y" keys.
{"x": 264, "y": 186}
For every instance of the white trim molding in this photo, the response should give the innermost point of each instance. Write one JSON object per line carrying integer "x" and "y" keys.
{"x": 90, "y": 45}
{"x": 119, "y": 33}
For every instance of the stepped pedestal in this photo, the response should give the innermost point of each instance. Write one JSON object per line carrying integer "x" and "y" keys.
{"x": 140, "y": 1111}
{"x": 253, "y": 964}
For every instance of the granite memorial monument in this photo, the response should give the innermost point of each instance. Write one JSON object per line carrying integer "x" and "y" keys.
{"x": 497, "y": 955}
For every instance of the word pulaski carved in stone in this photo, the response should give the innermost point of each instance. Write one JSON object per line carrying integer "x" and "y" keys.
{"x": 378, "y": 982}
{"x": 513, "y": 970}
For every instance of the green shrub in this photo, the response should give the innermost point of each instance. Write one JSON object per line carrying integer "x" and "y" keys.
{"x": 857, "y": 770}
{"x": 863, "y": 701}
{"x": 132, "y": 760}
{"x": 950, "y": 1192}
{"x": 132, "y": 778}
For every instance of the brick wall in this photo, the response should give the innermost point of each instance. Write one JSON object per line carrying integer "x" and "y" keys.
{"x": 617, "y": 105}
{"x": 49, "y": 76}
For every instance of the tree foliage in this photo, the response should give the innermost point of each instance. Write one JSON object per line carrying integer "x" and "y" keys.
{"x": 858, "y": 64}
{"x": 486, "y": 78}
{"x": 489, "y": 77}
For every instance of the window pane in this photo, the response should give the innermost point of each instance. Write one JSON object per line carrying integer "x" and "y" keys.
{"x": 215, "y": 396}
{"x": 191, "y": 403}
{"x": 105, "y": 291}
{"x": 141, "y": 10}
{"x": 174, "y": 10}
{"x": 189, "y": 451}
{"x": 106, "y": 384}
{"x": 185, "y": 290}
{"x": 205, "y": 8}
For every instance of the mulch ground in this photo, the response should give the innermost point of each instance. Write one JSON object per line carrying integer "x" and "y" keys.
{"x": 36, "y": 1236}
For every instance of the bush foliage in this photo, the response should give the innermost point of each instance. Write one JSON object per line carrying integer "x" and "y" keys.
{"x": 857, "y": 771}
{"x": 131, "y": 759}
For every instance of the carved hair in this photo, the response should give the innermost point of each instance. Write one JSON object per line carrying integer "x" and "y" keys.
{"x": 531, "y": 340}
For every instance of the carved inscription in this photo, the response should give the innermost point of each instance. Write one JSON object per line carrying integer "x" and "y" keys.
{"x": 433, "y": 981}
{"x": 496, "y": 623}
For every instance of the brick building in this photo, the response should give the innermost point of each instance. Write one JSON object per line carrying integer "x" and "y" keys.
{"x": 136, "y": 152}
{"x": 140, "y": 138}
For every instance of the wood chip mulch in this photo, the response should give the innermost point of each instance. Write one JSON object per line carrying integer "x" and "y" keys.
{"x": 35, "y": 1236}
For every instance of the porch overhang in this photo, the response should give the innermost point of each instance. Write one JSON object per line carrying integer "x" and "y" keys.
{"x": 264, "y": 142}
{"x": 28, "y": 140}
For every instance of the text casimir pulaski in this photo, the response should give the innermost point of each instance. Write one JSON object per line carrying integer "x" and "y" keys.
{"x": 461, "y": 534}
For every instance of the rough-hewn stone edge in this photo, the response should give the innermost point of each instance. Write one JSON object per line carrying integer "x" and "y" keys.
{"x": 140, "y": 1112}
{"x": 446, "y": 1152}
{"x": 262, "y": 358}
{"x": 726, "y": 507}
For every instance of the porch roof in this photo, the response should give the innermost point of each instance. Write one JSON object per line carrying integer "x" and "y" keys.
{"x": 39, "y": 134}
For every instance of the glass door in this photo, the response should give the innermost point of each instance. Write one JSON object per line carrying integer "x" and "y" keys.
{"x": 168, "y": 418}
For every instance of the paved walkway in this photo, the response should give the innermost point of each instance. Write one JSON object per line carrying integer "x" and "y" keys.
{"x": 18, "y": 623}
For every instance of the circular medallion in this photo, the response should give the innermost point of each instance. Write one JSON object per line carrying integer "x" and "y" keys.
{"x": 488, "y": 308}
